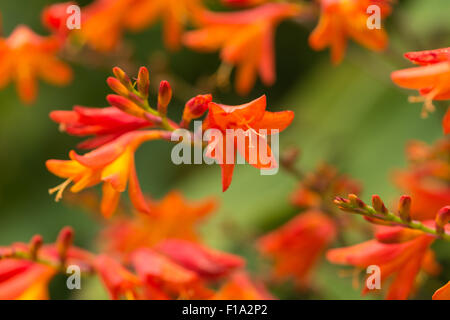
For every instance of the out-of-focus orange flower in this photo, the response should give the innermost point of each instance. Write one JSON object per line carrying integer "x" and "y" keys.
{"x": 431, "y": 78}
{"x": 205, "y": 262}
{"x": 106, "y": 124}
{"x": 343, "y": 19}
{"x": 172, "y": 217}
{"x": 427, "y": 179}
{"x": 240, "y": 287}
{"x": 245, "y": 39}
{"x": 119, "y": 281}
{"x": 296, "y": 246}
{"x": 442, "y": 293}
{"x": 446, "y": 122}
{"x": 401, "y": 258}
{"x": 104, "y": 21}
{"x": 165, "y": 279}
{"x": 247, "y": 121}
{"x": 25, "y": 57}
{"x": 113, "y": 164}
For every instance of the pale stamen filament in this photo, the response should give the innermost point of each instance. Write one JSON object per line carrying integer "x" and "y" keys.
{"x": 59, "y": 189}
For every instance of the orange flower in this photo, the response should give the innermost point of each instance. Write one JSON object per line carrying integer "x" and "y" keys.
{"x": 297, "y": 245}
{"x": 245, "y": 39}
{"x": 164, "y": 279}
{"x": 427, "y": 178}
{"x": 247, "y": 120}
{"x": 106, "y": 124}
{"x": 172, "y": 217}
{"x": 431, "y": 78}
{"x": 240, "y": 287}
{"x": 118, "y": 280}
{"x": 104, "y": 21}
{"x": 403, "y": 255}
{"x": 26, "y": 56}
{"x": 342, "y": 19}
{"x": 442, "y": 293}
{"x": 205, "y": 262}
{"x": 112, "y": 164}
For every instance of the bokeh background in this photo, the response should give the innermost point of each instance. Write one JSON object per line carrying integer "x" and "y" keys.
{"x": 351, "y": 116}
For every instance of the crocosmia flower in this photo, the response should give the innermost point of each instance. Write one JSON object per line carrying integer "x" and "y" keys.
{"x": 172, "y": 217}
{"x": 344, "y": 19}
{"x": 431, "y": 78}
{"x": 105, "y": 124}
{"x": 296, "y": 246}
{"x": 254, "y": 123}
{"x": 400, "y": 253}
{"x": 111, "y": 164}
{"x": 26, "y": 57}
{"x": 245, "y": 39}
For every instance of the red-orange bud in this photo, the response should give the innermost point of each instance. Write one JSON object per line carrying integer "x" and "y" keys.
{"x": 164, "y": 97}
{"x": 442, "y": 218}
{"x": 35, "y": 244}
{"x": 196, "y": 107}
{"x": 64, "y": 242}
{"x": 404, "y": 208}
{"x": 378, "y": 204}
{"x": 123, "y": 77}
{"x": 117, "y": 86}
{"x": 143, "y": 82}
{"x": 125, "y": 105}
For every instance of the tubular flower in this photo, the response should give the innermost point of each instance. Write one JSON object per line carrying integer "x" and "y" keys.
{"x": 112, "y": 164}
{"x": 104, "y": 21}
{"x": 296, "y": 246}
{"x": 401, "y": 255}
{"x": 119, "y": 281}
{"x": 172, "y": 217}
{"x": 442, "y": 293}
{"x": 164, "y": 279}
{"x": 251, "y": 124}
{"x": 245, "y": 39}
{"x": 26, "y": 56}
{"x": 205, "y": 262}
{"x": 427, "y": 179}
{"x": 431, "y": 78}
{"x": 240, "y": 287}
{"x": 343, "y": 19}
{"x": 105, "y": 124}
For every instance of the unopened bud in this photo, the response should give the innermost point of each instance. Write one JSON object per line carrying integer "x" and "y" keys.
{"x": 404, "y": 208}
{"x": 34, "y": 246}
{"x": 125, "y": 105}
{"x": 356, "y": 202}
{"x": 123, "y": 78}
{"x": 64, "y": 242}
{"x": 117, "y": 86}
{"x": 378, "y": 204}
{"x": 442, "y": 218}
{"x": 196, "y": 107}
{"x": 164, "y": 97}
{"x": 143, "y": 82}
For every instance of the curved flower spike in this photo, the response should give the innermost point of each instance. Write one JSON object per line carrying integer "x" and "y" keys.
{"x": 342, "y": 19}
{"x": 112, "y": 164}
{"x": 250, "y": 123}
{"x": 431, "y": 78}
{"x": 26, "y": 56}
{"x": 245, "y": 39}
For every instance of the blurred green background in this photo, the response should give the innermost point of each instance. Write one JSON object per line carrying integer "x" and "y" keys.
{"x": 351, "y": 116}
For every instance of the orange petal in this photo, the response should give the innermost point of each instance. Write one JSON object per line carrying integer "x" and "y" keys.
{"x": 110, "y": 200}
{"x": 442, "y": 293}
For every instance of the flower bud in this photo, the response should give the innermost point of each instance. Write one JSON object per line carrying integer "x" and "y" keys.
{"x": 125, "y": 105}
{"x": 164, "y": 97}
{"x": 356, "y": 202}
{"x": 64, "y": 242}
{"x": 35, "y": 245}
{"x": 378, "y": 204}
{"x": 143, "y": 82}
{"x": 123, "y": 78}
{"x": 117, "y": 86}
{"x": 196, "y": 107}
{"x": 404, "y": 208}
{"x": 442, "y": 218}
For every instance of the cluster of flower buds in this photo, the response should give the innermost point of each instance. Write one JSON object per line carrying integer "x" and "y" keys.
{"x": 379, "y": 214}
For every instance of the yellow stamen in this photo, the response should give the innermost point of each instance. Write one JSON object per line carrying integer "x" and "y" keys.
{"x": 59, "y": 189}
